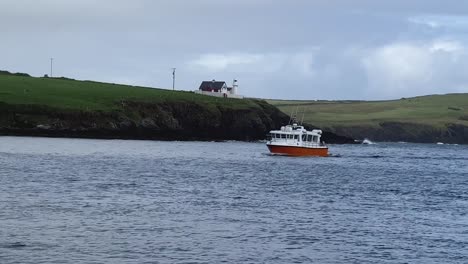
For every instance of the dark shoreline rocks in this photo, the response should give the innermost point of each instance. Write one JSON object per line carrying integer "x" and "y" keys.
{"x": 406, "y": 132}
{"x": 181, "y": 121}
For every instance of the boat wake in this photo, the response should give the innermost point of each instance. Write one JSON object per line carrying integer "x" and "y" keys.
{"x": 367, "y": 142}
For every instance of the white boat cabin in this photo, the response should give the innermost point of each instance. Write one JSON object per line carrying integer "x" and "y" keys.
{"x": 295, "y": 135}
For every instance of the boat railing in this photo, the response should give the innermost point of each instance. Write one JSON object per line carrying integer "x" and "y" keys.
{"x": 273, "y": 139}
{"x": 312, "y": 144}
{"x": 303, "y": 143}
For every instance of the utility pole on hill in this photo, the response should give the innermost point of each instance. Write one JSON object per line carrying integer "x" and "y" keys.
{"x": 173, "y": 79}
{"x": 51, "y": 66}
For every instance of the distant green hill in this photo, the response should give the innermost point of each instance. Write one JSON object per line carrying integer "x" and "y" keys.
{"x": 68, "y": 108}
{"x": 430, "y": 118}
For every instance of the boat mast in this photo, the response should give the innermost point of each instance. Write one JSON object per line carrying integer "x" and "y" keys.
{"x": 291, "y": 116}
{"x": 297, "y": 110}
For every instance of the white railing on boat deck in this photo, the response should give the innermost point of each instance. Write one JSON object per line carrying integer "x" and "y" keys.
{"x": 313, "y": 144}
{"x": 295, "y": 142}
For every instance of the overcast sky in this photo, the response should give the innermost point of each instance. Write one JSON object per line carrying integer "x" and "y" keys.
{"x": 288, "y": 49}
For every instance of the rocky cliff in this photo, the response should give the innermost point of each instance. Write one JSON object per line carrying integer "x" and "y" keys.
{"x": 183, "y": 120}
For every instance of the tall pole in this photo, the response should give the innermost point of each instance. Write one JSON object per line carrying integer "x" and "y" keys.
{"x": 173, "y": 78}
{"x": 51, "y": 66}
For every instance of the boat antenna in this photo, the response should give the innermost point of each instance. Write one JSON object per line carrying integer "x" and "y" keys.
{"x": 294, "y": 117}
{"x": 291, "y": 116}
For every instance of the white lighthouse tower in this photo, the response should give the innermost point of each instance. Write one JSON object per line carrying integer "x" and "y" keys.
{"x": 234, "y": 87}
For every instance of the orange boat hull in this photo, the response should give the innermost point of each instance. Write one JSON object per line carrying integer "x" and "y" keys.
{"x": 298, "y": 151}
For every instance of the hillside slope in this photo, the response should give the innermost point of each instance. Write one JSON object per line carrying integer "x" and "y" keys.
{"x": 433, "y": 118}
{"x": 64, "y": 107}
{"x": 68, "y": 108}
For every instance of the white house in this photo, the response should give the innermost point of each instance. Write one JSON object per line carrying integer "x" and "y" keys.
{"x": 219, "y": 89}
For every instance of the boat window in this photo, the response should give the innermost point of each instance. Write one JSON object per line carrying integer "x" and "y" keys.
{"x": 304, "y": 137}
{"x": 296, "y": 137}
{"x": 315, "y": 139}
{"x": 309, "y": 138}
{"x": 283, "y": 136}
{"x": 290, "y": 136}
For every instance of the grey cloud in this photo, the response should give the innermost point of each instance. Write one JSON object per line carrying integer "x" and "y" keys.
{"x": 277, "y": 49}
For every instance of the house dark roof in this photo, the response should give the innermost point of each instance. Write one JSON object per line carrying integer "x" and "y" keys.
{"x": 209, "y": 86}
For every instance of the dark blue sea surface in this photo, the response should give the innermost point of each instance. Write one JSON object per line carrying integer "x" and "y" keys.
{"x": 115, "y": 201}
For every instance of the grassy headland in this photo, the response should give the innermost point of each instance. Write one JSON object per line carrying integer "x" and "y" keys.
{"x": 69, "y": 108}
{"x": 430, "y": 118}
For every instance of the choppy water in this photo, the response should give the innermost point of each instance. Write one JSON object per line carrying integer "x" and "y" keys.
{"x": 97, "y": 201}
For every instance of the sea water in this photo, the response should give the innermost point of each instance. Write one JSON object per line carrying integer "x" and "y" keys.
{"x": 116, "y": 201}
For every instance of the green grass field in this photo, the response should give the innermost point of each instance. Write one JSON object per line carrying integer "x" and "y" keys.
{"x": 436, "y": 110}
{"x": 87, "y": 95}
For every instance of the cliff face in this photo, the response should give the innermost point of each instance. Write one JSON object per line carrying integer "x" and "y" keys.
{"x": 169, "y": 120}
{"x": 407, "y": 132}
{"x": 140, "y": 120}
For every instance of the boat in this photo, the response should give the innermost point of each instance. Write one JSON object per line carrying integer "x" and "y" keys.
{"x": 295, "y": 140}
